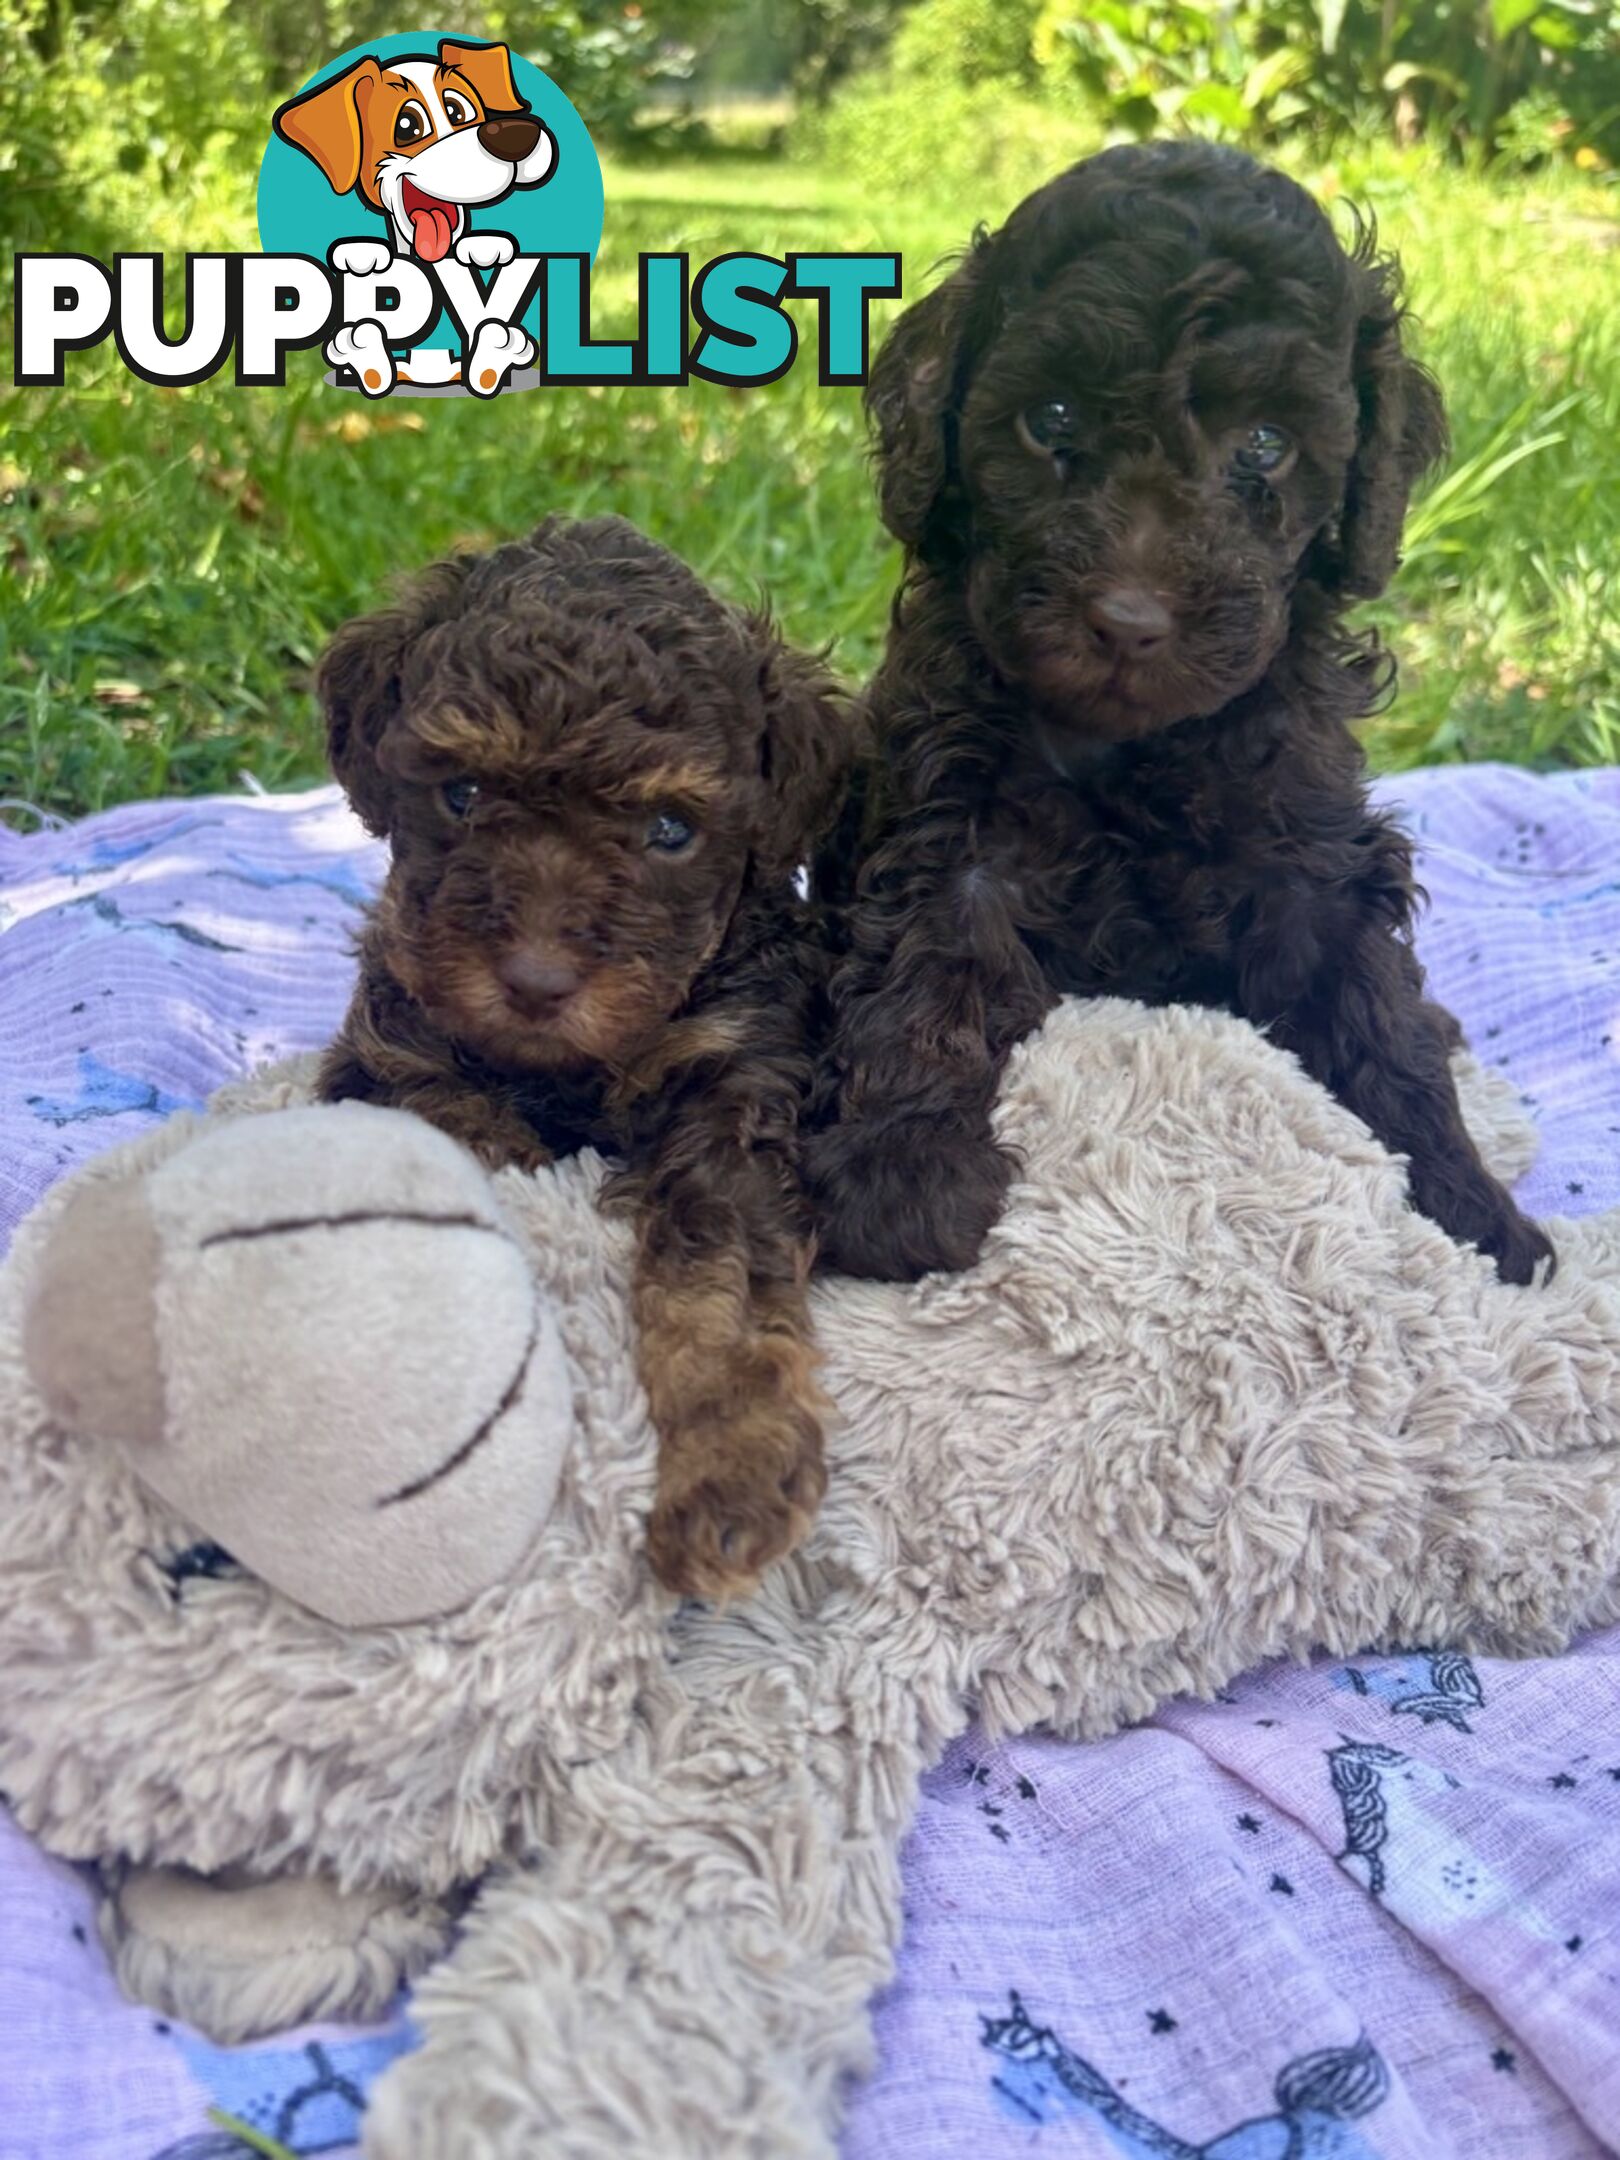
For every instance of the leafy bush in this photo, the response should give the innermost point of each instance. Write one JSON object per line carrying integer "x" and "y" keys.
{"x": 605, "y": 57}
{"x": 170, "y": 103}
{"x": 1232, "y": 72}
{"x": 1515, "y": 80}
{"x": 959, "y": 103}
{"x": 982, "y": 143}
{"x": 970, "y": 42}
{"x": 768, "y": 46}
{"x": 164, "y": 129}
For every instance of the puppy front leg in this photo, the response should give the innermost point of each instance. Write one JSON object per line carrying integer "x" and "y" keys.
{"x": 905, "y": 1176}
{"x": 722, "y": 1263}
{"x": 1368, "y": 1033}
{"x": 491, "y": 1127}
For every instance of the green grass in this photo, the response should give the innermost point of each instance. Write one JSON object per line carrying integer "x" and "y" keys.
{"x": 174, "y": 559}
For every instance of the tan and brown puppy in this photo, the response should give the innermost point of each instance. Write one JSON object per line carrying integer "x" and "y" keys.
{"x": 599, "y": 783}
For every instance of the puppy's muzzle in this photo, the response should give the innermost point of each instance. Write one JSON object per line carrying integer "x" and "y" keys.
{"x": 1126, "y": 622}
{"x": 538, "y": 980}
{"x": 509, "y": 136}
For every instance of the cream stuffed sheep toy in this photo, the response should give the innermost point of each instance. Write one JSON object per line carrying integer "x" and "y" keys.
{"x": 323, "y": 1488}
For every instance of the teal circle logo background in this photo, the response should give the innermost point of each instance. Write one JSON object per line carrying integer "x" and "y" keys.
{"x": 300, "y": 215}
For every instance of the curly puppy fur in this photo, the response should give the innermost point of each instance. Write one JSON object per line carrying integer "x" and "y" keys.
{"x": 599, "y": 783}
{"x": 1144, "y": 447}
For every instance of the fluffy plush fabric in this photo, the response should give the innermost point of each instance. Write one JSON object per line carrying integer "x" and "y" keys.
{"x": 237, "y": 1957}
{"x": 368, "y": 1489}
{"x": 1213, "y": 1394}
{"x": 190, "y": 1720}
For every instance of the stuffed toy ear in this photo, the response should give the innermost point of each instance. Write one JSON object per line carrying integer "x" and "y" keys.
{"x": 914, "y": 397}
{"x": 325, "y": 122}
{"x": 807, "y": 747}
{"x": 1402, "y": 433}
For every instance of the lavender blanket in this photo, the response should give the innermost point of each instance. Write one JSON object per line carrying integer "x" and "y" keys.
{"x": 1363, "y": 1909}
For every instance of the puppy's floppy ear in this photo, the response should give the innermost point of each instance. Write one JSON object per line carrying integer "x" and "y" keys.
{"x": 1401, "y": 434}
{"x": 807, "y": 746}
{"x": 489, "y": 69}
{"x": 914, "y": 396}
{"x": 358, "y": 684}
{"x": 325, "y": 122}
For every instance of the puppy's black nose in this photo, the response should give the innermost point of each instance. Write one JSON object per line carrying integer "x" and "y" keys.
{"x": 536, "y": 979}
{"x": 1128, "y": 622}
{"x": 509, "y": 136}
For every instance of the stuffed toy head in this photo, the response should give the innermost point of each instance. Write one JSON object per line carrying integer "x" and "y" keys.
{"x": 324, "y": 1481}
{"x": 306, "y": 1584}
{"x": 377, "y": 1491}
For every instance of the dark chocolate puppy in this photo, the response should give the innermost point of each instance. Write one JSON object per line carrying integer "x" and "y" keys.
{"x": 1144, "y": 447}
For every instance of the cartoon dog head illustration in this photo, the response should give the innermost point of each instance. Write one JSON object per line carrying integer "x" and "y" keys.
{"x": 423, "y": 139}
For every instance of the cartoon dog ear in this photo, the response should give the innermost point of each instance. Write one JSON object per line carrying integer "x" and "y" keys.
{"x": 807, "y": 747}
{"x": 914, "y": 398}
{"x": 1401, "y": 433}
{"x": 325, "y": 122}
{"x": 489, "y": 69}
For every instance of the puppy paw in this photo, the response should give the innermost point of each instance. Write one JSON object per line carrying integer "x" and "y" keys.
{"x": 898, "y": 1198}
{"x": 501, "y": 1143}
{"x": 363, "y": 348}
{"x": 734, "y": 1498}
{"x": 360, "y": 258}
{"x": 485, "y": 250}
{"x": 1519, "y": 1246}
{"x": 497, "y": 349}
{"x": 500, "y": 1138}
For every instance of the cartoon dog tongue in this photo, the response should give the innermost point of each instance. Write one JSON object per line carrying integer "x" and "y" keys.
{"x": 433, "y": 223}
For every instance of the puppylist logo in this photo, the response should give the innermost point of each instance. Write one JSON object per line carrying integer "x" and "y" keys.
{"x": 429, "y": 210}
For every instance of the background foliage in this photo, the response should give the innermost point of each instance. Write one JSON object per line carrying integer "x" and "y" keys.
{"x": 1502, "y": 85}
{"x": 170, "y": 561}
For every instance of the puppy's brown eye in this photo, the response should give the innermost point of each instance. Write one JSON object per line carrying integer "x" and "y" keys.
{"x": 410, "y": 126}
{"x": 1262, "y": 450}
{"x": 668, "y": 834}
{"x": 457, "y": 111}
{"x": 1050, "y": 426}
{"x": 458, "y": 796}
